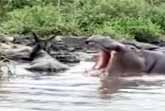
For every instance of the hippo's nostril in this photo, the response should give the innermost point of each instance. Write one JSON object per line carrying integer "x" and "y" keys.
{"x": 86, "y": 42}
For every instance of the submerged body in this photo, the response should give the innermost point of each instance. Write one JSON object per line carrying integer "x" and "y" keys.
{"x": 154, "y": 62}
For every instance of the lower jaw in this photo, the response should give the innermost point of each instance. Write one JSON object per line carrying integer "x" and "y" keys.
{"x": 97, "y": 73}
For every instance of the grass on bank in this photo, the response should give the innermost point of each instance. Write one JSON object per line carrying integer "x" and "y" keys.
{"x": 119, "y": 18}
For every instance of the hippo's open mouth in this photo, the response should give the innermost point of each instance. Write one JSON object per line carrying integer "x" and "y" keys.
{"x": 102, "y": 60}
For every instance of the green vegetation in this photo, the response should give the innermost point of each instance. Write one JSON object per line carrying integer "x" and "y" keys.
{"x": 119, "y": 18}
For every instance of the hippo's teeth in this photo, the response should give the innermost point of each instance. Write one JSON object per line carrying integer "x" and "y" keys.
{"x": 109, "y": 64}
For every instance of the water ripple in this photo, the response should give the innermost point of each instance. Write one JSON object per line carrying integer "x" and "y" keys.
{"x": 75, "y": 92}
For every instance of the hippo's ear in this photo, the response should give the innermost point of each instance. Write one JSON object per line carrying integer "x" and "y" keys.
{"x": 121, "y": 48}
{"x": 36, "y": 38}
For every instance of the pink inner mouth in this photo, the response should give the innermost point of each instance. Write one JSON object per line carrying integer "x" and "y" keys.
{"x": 102, "y": 60}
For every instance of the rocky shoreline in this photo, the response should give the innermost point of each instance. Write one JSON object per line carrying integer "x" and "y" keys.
{"x": 54, "y": 55}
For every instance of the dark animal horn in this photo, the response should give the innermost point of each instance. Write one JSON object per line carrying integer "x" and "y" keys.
{"x": 51, "y": 37}
{"x": 36, "y": 38}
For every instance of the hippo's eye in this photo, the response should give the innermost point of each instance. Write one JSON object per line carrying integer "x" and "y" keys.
{"x": 132, "y": 48}
{"x": 90, "y": 42}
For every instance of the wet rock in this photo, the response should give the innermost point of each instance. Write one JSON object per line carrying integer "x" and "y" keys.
{"x": 63, "y": 48}
{"x": 84, "y": 56}
{"x": 71, "y": 43}
{"x": 18, "y": 52}
{"x": 141, "y": 45}
{"x": 146, "y": 37}
{"x": 66, "y": 57}
{"x": 4, "y": 70}
{"x": 41, "y": 61}
{"x": 160, "y": 43}
{"x": 27, "y": 40}
{"x": 58, "y": 47}
{"x": 6, "y": 39}
{"x": 46, "y": 63}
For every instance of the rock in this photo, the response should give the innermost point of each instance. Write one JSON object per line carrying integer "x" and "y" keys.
{"x": 18, "y": 52}
{"x": 6, "y": 39}
{"x": 141, "y": 45}
{"x": 4, "y": 70}
{"x": 27, "y": 40}
{"x": 84, "y": 56}
{"x": 46, "y": 63}
{"x": 64, "y": 48}
{"x": 159, "y": 43}
{"x": 41, "y": 61}
{"x": 66, "y": 57}
{"x": 146, "y": 37}
{"x": 71, "y": 43}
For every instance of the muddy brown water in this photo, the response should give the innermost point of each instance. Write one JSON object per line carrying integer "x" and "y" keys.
{"x": 73, "y": 90}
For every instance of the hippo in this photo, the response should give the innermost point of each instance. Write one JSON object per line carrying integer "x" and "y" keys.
{"x": 118, "y": 59}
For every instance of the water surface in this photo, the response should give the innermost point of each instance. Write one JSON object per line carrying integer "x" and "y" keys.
{"x": 73, "y": 90}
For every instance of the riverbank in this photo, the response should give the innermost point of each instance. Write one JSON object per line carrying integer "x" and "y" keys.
{"x": 128, "y": 19}
{"x": 53, "y": 55}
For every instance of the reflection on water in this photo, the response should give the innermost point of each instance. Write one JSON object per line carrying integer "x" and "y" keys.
{"x": 74, "y": 91}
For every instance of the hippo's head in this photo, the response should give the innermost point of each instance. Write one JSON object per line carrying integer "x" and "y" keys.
{"x": 115, "y": 57}
{"x": 106, "y": 44}
{"x": 107, "y": 48}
